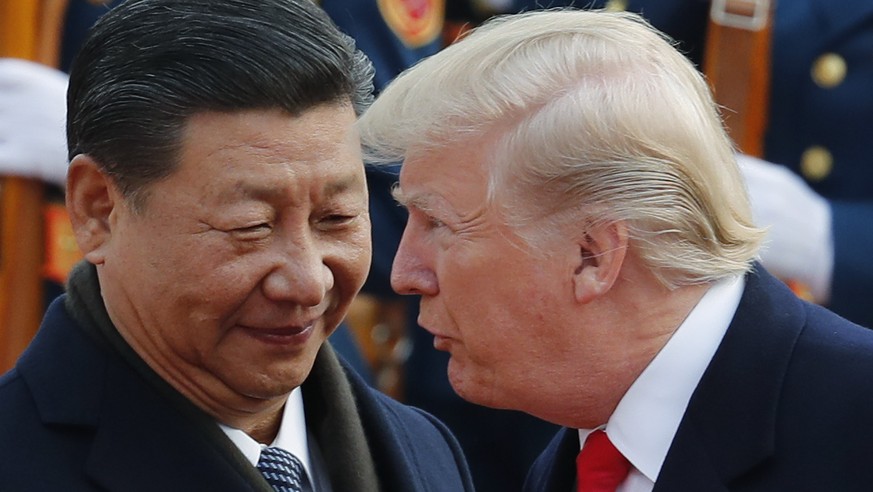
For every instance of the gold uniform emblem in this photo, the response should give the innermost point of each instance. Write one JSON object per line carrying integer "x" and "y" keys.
{"x": 415, "y": 22}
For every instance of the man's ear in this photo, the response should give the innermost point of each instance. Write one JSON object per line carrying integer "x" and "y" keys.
{"x": 601, "y": 254}
{"x": 91, "y": 198}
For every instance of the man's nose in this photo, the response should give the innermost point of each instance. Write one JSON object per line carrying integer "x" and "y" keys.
{"x": 300, "y": 274}
{"x": 411, "y": 273}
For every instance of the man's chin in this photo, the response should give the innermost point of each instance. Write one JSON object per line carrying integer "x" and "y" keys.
{"x": 467, "y": 386}
{"x": 276, "y": 382}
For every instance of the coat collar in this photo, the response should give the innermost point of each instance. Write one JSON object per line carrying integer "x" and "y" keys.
{"x": 138, "y": 440}
{"x": 729, "y": 426}
{"x": 71, "y": 395}
{"x": 161, "y": 449}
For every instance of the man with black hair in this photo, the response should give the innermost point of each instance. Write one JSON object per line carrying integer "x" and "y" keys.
{"x": 217, "y": 191}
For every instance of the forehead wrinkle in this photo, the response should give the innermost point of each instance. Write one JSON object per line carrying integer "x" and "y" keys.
{"x": 434, "y": 204}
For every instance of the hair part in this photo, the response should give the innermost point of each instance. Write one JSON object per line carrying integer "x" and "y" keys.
{"x": 591, "y": 117}
{"x": 147, "y": 66}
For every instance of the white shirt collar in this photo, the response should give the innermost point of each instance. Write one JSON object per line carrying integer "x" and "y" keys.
{"x": 648, "y": 416}
{"x": 291, "y": 436}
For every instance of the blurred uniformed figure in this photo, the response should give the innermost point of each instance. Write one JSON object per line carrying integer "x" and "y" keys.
{"x": 820, "y": 129}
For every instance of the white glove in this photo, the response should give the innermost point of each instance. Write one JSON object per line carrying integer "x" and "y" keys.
{"x": 33, "y": 112}
{"x": 799, "y": 244}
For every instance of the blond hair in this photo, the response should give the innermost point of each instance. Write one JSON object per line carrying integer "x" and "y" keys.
{"x": 593, "y": 117}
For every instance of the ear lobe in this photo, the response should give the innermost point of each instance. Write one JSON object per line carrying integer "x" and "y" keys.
{"x": 601, "y": 255}
{"x": 91, "y": 198}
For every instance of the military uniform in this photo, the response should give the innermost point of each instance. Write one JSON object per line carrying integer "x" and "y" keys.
{"x": 393, "y": 33}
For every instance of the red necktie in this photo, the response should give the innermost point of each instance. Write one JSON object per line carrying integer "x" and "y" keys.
{"x": 600, "y": 467}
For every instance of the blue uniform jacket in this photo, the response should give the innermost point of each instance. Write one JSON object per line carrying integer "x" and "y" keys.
{"x": 75, "y": 416}
{"x": 388, "y": 32}
{"x": 785, "y": 404}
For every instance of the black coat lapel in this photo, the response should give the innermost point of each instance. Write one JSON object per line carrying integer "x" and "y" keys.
{"x": 729, "y": 426}
{"x": 143, "y": 444}
{"x": 555, "y": 469}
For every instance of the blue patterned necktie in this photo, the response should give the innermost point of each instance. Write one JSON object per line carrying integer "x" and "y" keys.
{"x": 283, "y": 471}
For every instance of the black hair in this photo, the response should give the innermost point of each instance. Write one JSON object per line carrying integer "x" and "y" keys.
{"x": 147, "y": 66}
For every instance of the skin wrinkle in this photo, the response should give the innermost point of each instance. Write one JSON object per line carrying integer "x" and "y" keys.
{"x": 318, "y": 235}
{"x": 527, "y": 293}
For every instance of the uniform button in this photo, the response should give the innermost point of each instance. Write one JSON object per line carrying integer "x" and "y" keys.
{"x": 829, "y": 70}
{"x": 616, "y": 5}
{"x": 816, "y": 163}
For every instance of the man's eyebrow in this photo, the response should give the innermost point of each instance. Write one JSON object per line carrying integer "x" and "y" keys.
{"x": 337, "y": 187}
{"x": 398, "y": 195}
{"x": 417, "y": 201}
{"x": 267, "y": 192}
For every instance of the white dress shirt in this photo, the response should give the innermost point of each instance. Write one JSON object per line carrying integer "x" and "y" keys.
{"x": 291, "y": 436}
{"x": 648, "y": 416}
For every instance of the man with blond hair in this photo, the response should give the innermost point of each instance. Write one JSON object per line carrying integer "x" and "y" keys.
{"x": 582, "y": 242}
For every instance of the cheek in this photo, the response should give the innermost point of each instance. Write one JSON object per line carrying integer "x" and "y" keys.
{"x": 212, "y": 284}
{"x": 348, "y": 260}
{"x": 502, "y": 310}
{"x": 360, "y": 258}
{"x": 348, "y": 265}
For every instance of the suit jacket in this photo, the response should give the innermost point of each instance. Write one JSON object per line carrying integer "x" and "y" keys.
{"x": 76, "y": 416}
{"x": 785, "y": 404}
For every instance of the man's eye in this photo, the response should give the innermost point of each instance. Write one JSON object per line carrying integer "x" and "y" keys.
{"x": 339, "y": 219}
{"x": 254, "y": 231}
{"x": 425, "y": 220}
{"x": 435, "y": 223}
{"x": 255, "y": 227}
{"x": 333, "y": 221}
